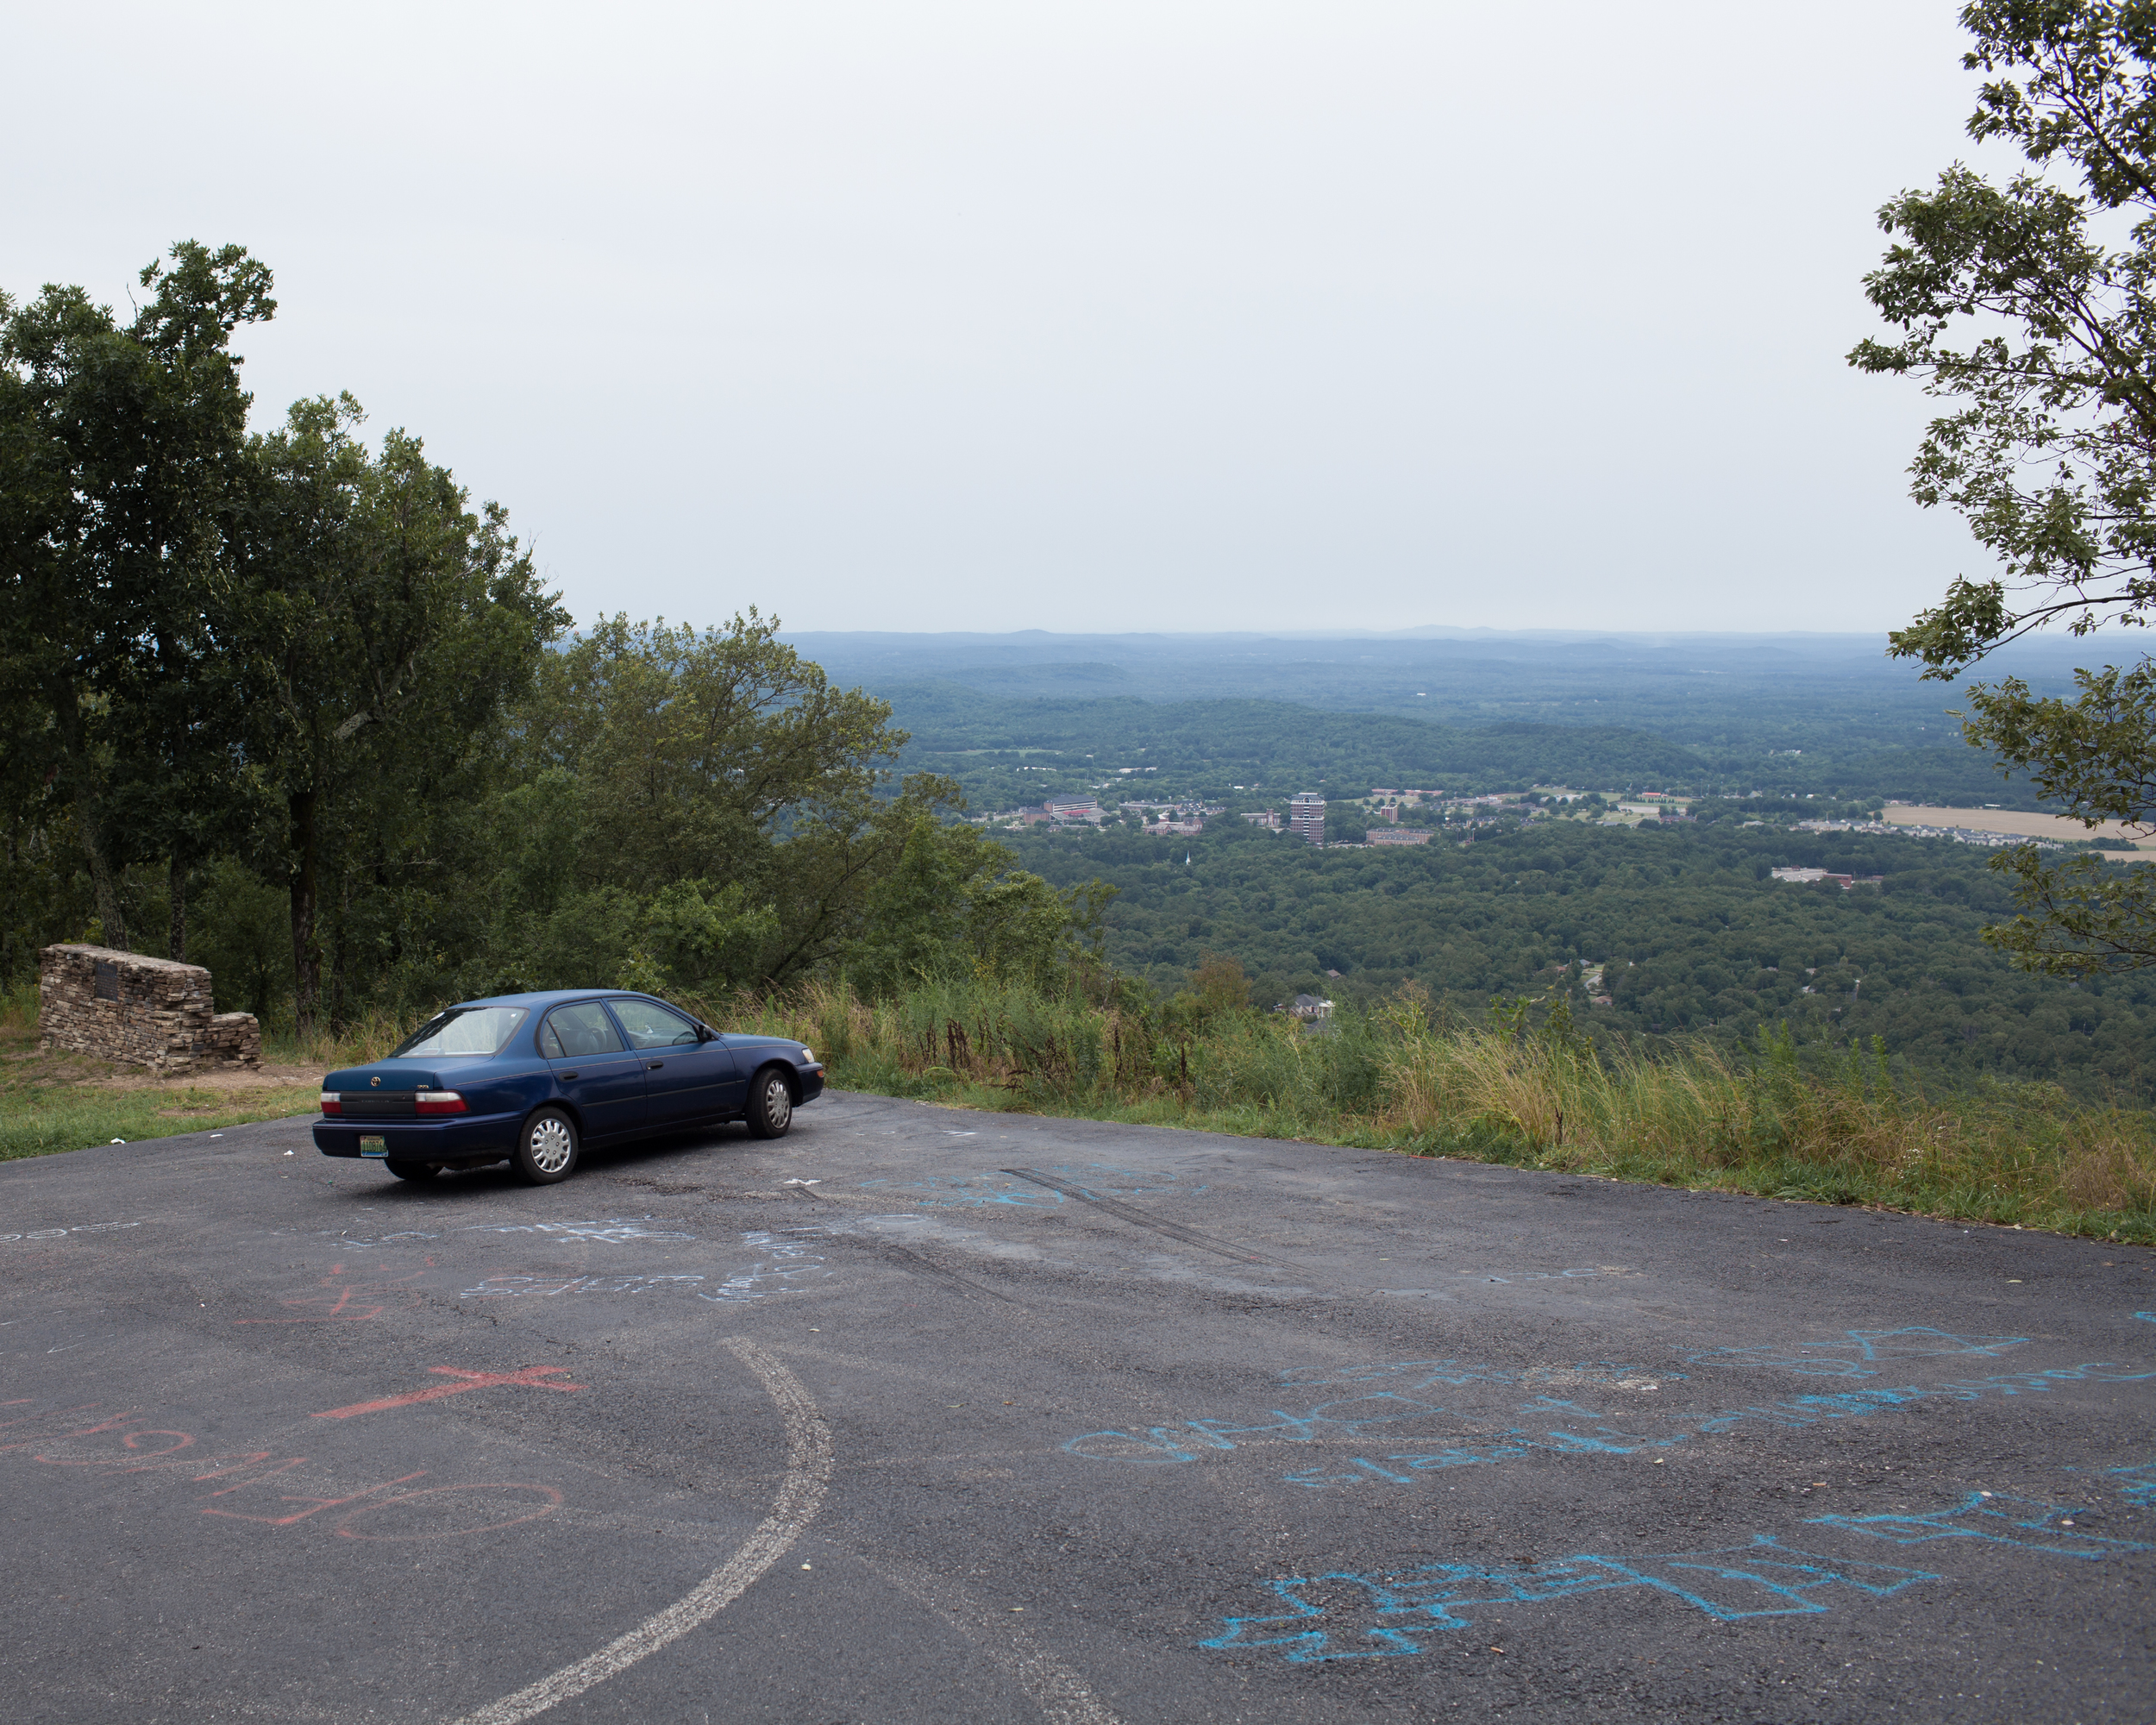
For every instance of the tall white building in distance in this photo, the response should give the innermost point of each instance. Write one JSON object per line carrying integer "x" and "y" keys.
{"x": 1306, "y": 817}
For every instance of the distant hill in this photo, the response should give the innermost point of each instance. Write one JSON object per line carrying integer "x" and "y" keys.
{"x": 1006, "y": 751}
{"x": 1818, "y": 713}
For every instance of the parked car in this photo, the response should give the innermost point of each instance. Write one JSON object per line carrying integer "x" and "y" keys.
{"x": 532, "y": 1079}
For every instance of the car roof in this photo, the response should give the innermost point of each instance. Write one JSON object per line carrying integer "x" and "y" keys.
{"x": 553, "y": 997}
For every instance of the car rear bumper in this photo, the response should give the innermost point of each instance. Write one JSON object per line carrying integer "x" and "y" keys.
{"x": 407, "y": 1141}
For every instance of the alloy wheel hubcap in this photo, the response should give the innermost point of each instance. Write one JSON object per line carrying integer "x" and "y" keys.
{"x": 551, "y": 1146}
{"x": 778, "y": 1105}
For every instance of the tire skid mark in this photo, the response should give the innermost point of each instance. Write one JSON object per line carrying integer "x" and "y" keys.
{"x": 808, "y": 1471}
{"x": 904, "y": 1258}
{"x": 1137, "y": 1218}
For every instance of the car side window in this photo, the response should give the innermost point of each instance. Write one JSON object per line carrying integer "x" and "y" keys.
{"x": 574, "y": 1033}
{"x": 652, "y": 1025}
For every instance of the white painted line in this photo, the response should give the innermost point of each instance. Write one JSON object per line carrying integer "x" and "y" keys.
{"x": 808, "y": 1472}
{"x": 1057, "y": 1691}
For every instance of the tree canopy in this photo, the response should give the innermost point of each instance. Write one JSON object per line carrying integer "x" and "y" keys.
{"x": 2031, "y": 307}
{"x": 300, "y": 672}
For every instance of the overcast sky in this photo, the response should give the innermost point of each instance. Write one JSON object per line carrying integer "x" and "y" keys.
{"x": 1071, "y": 316}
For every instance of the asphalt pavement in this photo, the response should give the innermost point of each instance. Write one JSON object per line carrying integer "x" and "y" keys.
{"x": 919, "y": 1414}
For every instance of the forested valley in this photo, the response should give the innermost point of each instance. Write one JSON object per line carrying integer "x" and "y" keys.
{"x": 285, "y": 703}
{"x": 1686, "y": 928}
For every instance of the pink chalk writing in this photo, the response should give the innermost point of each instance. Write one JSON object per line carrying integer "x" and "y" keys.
{"x": 379, "y": 1512}
{"x": 339, "y": 1299}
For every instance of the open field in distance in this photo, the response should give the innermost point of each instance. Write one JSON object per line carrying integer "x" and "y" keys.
{"x": 2116, "y": 834}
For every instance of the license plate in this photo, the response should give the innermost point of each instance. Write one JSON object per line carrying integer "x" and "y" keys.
{"x": 373, "y": 1146}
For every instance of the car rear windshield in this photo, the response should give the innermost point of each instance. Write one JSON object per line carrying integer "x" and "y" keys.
{"x": 462, "y": 1030}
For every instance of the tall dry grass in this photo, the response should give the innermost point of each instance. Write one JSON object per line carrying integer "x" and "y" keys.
{"x": 1831, "y": 1125}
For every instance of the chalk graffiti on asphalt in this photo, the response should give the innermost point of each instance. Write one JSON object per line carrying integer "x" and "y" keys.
{"x": 345, "y": 1236}
{"x": 120, "y": 1444}
{"x": 1428, "y": 1373}
{"x": 1349, "y": 1417}
{"x": 1586, "y": 1433}
{"x": 1352, "y": 1617}
{"x": 549, "y": 1287}
{"x": 783, "y": 1262}
{"x": 1856, "y": 1353}
{"x": 1344, "y": 1615}
{"x": 2137, "y": 1484}
{"x": 790, "y": 1261}
{"x": 1387, "y": 1420}
{"x": 2029, "y": 1523}
{"x": 613, "y": 1231}
{"x": 1097, "y": 1179}
{"x": 347, "y": 1298}
{"x": 62, "y": 1234}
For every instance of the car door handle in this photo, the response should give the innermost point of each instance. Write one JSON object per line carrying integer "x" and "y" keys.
{"x": 656, "y": 1065}
{"x": 565, "y": 1076}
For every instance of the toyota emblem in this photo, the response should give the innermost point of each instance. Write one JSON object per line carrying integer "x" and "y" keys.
{"x": 375, "y": 1080}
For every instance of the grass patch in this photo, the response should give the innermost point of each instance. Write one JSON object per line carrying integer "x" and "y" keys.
{"x": 60, "y": 1102}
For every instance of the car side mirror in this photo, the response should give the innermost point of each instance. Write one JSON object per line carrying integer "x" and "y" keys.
{"x": 705, "y": 1033}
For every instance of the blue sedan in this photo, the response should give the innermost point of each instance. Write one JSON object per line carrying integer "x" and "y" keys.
{"x": 531, "y": 1079}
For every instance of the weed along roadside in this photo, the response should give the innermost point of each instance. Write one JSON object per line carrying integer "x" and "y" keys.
{"x": 1816, "y": 1124}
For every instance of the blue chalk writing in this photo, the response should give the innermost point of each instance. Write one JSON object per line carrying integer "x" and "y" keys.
{"x": 1348, "y": 1617}
{"x": 1347, "y": 1417}
{"x": 2027, "y": 1523}
{"x": 2137, "y": 1485}
{"x": 1856, "y": 1353}
{"x": 1559, "y": 1426}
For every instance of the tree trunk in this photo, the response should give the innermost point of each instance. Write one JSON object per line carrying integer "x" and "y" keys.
{"x": 306, "y": 956}
{"x": 335, "y": 1015}
{"x": 112, "y": 917}
{"x": 80, "y": 780}
{"x": 176, "y": 936}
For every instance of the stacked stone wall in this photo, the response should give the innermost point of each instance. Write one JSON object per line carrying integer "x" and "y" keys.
{"x": 143, "y": 1012}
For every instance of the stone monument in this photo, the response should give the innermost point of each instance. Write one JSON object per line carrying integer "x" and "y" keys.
{"x": 145, "y": 1012}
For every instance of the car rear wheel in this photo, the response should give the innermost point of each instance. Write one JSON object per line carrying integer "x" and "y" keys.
{"x": 415, "y": 1170}
{"x": 770, "y": 1104}
{"x": 546, "y": 1151}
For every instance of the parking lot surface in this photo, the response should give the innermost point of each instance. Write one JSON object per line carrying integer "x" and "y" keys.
{"x": 921, "y": 1415}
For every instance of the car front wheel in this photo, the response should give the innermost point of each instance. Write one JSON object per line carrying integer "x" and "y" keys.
{"x": 770, "y": 1104}
{"x": 546, "y": 1151}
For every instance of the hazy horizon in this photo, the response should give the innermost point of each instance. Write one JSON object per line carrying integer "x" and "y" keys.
{"x": 1073, "y": 318}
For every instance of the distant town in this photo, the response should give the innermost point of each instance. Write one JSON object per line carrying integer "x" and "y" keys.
{"x": 1385, "y": 817}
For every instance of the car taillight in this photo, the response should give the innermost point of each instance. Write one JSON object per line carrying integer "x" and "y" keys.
{"x": 332, "y": 1103}
{"x": 438, "y": 1102}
